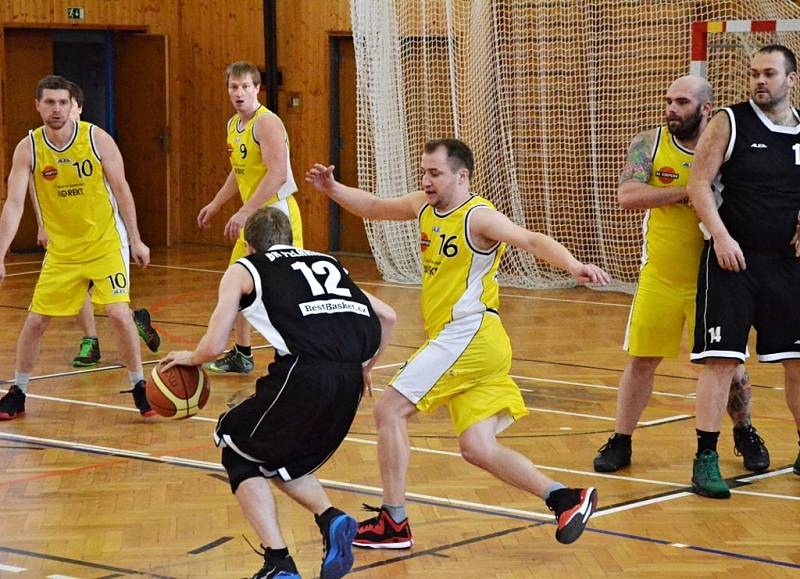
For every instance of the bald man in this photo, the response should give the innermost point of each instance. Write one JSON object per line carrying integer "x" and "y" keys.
{"x": 654, "y": 179}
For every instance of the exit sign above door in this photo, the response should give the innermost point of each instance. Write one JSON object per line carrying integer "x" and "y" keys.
{"x": 76, "y": 12}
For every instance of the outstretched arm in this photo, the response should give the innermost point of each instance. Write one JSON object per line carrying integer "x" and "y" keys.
{"x": 360, "y": 202}
{"x": 487, "y": 226}
{"x": 235, "y": 283}
{"x": 708, "y": 158}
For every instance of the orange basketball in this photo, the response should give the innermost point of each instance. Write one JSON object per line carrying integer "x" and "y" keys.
{"x": 179, "y": 392}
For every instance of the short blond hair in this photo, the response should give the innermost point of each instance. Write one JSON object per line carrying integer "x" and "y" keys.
{"x": 242, "y": 68}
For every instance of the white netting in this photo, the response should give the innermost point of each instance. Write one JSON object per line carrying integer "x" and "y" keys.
{"x": 548, "y": 94}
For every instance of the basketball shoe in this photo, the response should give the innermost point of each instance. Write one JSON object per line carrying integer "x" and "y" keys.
{"x": 88, "y": 353}
{"x": 749, "y": 445}
{"x": 277, "y": 568}
{"x": 12, "y": 405}
{"x": 572, "y": 508}
{"x": 232, "y": 361}
{"x": 140, "y": 399}
{"x": 613, "y": 455}
{"x": 382, "y": 532}
{"x": 146, "y": 330}
{"x": 706, "y": 478}
{"x": 338, "y": 530}
{"x": 796, "y": 467}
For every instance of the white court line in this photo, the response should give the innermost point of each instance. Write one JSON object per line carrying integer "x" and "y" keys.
{"x": 751, "y": 478}
{"x": 643, "y": 503}
{"x": 24, "y": 263}
{"x": 12, "y": 569}
{"x": 587, "y": 385}
{"x": 219, "y": 271}
{"x": 22, "y": 273}
{"x": 765, "y": 495}
{"x": 61, "y": 577}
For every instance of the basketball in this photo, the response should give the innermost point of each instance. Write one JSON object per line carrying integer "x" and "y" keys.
{"x": 179, "y": 392}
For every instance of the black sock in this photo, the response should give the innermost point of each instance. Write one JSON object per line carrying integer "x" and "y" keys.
{"x": 323, "y": 520}
{"x": 623, "y": 437}
{"x": 277, "y": 554}
{"x": 798, "y": 437}
{"x": 244, "y": 350}
{"x": 562, "y": 499}
{"x": 706, "y": 441}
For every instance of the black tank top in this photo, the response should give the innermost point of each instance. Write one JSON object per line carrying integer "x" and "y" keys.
{"x": 759, "y": 181}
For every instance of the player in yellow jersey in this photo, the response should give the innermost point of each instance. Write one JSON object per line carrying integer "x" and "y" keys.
{"x": 89, "y": 349}
{"x": 654, "y": 178}
{"x": 466, "y": 359}
{"x": 258, "y": 148}
{"x": 88, "y": 211}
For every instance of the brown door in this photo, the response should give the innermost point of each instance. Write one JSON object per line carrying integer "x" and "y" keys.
{"x": 140, "y": 88}
{"x": 352, "y": 236}
{"x": 28, "y": 57}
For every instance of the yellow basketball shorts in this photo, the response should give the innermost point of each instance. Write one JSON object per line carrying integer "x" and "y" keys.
{"x": 61, "y": 288}
{"x": 657, "y": 316}
{"x": 466, "y": 366}
{"x": 289, "y": 207}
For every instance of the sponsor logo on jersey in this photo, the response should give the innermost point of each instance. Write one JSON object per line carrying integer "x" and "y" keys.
{"x": 424, "y": 242}
{"x": 64, "y": 160}
{"x": 666, "y": 175}
{"x": 49, "y": 173}
{"x": 758, "y": 146}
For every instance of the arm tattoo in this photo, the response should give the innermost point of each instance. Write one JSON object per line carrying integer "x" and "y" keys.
{"x": 639, "y": 162}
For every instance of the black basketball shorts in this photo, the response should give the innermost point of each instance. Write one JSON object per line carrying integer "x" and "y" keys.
{"x": 729, "y": 303}
{"x": 299, "y": 415}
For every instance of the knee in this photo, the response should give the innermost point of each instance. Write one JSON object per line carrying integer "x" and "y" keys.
{"x": 119, "y": 314}
{"x": 392, "y": 408}
{"x": 37, "y": 324}
{"x": 474, "y": 452}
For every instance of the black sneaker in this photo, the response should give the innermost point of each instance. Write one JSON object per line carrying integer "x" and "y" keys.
{"x": 748, "y": 444}
{"x": 146, "y": 330}
{"x": 232, "y": 361}
{"x": 281, "y": 569}
{"x": 613, "y": 455}
{"x": 796, "y": 467}
{"x": 88, "y": 353}
{"x": 337, "y": 539}
{"x": 140, "y": 399}
{"x": 12, "y": 405}
{"x": 572, "y": 508}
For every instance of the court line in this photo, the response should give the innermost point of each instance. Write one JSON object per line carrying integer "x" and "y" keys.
{"x": 22, "y": 273}
{"x": 588, "y": 385}
{"x": 79, "y": 562}
{"x": 426, "y": 499}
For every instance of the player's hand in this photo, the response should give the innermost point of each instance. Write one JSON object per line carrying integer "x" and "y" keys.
{"x": 367, "y": 374}
{"x": 729, "y": 254}
{"x": 588, "y": 273}
{"x": 321, "y": 178}
{"x": 140, "y": 254}
{"x": 205, "y": 215}
{"x": 796, "y": 237}
{"x": 41, "y": 238}
{"x": 176, "y": 358}
{"x": 235, "y": 224}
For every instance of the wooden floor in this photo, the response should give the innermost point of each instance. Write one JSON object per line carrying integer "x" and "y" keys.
{"x": 90, "y": 489}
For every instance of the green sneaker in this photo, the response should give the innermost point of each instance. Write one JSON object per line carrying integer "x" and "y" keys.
{"x": 706, "y": 478}
{"x": 797, "y": 465}
{"x": 232, "y": 361}
{"x": 146, "y": 330}
{"x": 88, "y": 353}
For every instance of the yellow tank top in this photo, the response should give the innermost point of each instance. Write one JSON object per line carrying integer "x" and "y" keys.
{"x": 672, "y": 237}
{"x": 78, "y": 210}
{"x": 244, "y": 152}
{"x": 458, "y": 280}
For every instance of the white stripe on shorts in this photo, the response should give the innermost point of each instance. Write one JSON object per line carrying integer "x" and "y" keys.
{"x": 427, "y": 366}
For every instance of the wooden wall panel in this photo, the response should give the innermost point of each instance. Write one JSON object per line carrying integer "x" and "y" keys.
{"x": 215, "y": 34}
{"x": 304, "y": 27}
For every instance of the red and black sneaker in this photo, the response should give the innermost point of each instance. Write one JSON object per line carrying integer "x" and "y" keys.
{"x": 572, "y": 508}
{"x": 12, "y": 405}
{"x": 381, "y": 532}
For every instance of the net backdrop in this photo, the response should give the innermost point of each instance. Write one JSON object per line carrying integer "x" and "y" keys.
{"x": 548, "y": 94}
